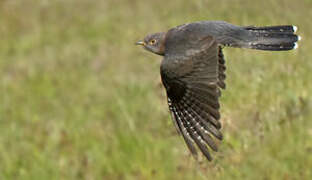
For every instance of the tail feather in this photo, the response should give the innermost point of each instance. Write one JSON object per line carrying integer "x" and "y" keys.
{"x": 284, "y": 29}
{"x": 273, "y": 38}
{"x": 275, "y": 47}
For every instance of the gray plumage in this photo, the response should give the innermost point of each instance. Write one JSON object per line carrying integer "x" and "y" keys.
{"x": 193, "y": 72}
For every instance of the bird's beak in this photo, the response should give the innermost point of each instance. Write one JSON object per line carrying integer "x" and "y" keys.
{"x": 140, "y": 43}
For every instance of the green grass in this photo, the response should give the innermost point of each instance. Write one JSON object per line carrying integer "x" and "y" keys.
{"x": 79, "y": 101}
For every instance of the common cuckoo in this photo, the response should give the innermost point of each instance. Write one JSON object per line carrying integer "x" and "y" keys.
{"x": 193, "y": 71}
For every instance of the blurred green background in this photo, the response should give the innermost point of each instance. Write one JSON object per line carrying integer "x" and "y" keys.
{"x": 79, "y": 101}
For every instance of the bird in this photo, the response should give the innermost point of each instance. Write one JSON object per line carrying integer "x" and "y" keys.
{"x": 193, "y": 72}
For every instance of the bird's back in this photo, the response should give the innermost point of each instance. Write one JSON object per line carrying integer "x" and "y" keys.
{"x": 223, "y": 32}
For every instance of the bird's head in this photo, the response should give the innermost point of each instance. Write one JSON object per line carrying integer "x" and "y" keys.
{"x": 154, "y": 43}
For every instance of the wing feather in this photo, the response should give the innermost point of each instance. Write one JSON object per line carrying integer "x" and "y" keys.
{"x": 193, "y": 74}
{"x": 181, "y": 127}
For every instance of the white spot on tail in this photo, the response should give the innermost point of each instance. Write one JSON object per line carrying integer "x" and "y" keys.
{"x": 299, "y": 38}
{"x": 295, "y": 28}
{"x": 296, "y": 46}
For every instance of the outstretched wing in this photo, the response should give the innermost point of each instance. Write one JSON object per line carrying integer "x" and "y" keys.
{"x": 192, "y": 81}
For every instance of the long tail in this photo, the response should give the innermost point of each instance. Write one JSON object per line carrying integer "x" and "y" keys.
{"x": 272, "y": 38}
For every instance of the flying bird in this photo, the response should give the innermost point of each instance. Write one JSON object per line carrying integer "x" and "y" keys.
{"x": 193, "y": 72}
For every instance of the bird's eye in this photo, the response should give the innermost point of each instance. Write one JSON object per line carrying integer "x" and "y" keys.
{"x": 152, "y": 42}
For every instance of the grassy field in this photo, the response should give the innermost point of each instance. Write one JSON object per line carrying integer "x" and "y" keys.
{"x": 79, "y": 101}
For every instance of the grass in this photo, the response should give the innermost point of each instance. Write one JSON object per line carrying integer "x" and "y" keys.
{"x": 79, "y": 101}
